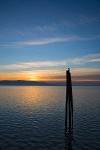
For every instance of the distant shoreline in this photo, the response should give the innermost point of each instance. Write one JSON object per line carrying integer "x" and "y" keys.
{"x": 35, "y": 83}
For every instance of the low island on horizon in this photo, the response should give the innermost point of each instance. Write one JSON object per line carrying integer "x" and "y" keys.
{"x": 41, "y": 83}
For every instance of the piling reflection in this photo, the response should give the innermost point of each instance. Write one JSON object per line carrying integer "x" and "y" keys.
{"x": 68, "y": 112}
{"x": 68, "y": 141}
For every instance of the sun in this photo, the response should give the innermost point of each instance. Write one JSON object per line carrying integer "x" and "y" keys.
{"x": 33, "y": 78}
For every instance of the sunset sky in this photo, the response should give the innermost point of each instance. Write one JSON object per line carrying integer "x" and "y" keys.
{"x": 40, "y": 39}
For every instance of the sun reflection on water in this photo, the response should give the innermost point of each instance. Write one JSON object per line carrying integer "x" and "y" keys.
{"x": 31, "y": 99}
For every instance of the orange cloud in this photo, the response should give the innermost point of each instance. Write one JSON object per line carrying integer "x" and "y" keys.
{"x": 80, "y": 74}
{"x": 13, "y": 76}
{"x": 36, "y": 75}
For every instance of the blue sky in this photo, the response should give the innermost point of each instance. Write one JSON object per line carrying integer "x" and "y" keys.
{"x": 43, "y": 36}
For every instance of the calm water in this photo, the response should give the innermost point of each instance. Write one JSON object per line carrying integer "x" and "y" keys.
{"x": 32, "y": 118}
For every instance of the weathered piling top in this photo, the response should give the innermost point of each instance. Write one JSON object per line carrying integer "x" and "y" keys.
{"x": 68, "y": 77}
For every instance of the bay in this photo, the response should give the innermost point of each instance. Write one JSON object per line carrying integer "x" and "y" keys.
{"x": 32, "y": 117}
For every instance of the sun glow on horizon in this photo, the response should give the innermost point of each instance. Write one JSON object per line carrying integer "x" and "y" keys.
{"x": 33, "y": 78}
{"x": 78, "y": 75}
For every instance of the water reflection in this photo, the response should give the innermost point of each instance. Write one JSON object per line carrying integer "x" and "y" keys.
{"x": 68, "y": 140}
{"x": 33, "y": 118}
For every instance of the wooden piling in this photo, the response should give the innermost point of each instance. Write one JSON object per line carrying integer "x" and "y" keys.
{"x": 68, "y": 109}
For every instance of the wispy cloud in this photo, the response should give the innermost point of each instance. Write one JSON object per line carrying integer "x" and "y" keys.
{"x": 73, "y": 62}
{"x": 87, "y": 19}
{"x": 52, "y": 70}
{"x": 56, "y": 40}
{"x": 41, "y": 41}
{"x": 44, "y": 41}
{"x": 85, "y": 71}
{"x": 68, "y": 23}
{"x": 89, "y": 58}
{"x": 27, "y": 65}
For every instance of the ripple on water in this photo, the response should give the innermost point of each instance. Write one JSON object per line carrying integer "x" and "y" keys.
{"x": 33, "y": 118}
